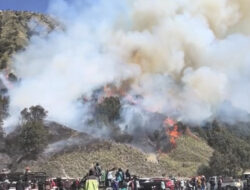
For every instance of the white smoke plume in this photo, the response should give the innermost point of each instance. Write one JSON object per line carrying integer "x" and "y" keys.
{"x": 188, "y": 59}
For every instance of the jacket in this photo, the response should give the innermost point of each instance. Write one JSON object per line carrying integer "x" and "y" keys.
{"x": 91, "y": 183}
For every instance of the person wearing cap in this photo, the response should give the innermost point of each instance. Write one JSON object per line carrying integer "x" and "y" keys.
{"x": 92, "y": 181}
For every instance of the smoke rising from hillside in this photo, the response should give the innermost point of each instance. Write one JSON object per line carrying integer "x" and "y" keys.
{"x": 187, "y": 59}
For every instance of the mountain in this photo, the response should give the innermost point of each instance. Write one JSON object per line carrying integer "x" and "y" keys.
{"x": 16, "y": 28}
{"x": 72, "y": 153}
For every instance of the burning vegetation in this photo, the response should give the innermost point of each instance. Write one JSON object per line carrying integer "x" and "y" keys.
{"x": 139, "y": 78}
{"x": 172, "y": 130}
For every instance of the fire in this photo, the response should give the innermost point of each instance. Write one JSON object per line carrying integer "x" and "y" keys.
{"x": 173, "y": 134}
{"x": 169, "y": 122}
{"x": 172, "y": 130}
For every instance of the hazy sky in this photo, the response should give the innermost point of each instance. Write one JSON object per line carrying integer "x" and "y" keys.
{"x": 29, "y": 5}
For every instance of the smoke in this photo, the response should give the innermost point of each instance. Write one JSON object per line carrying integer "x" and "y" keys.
{"x": 187, "y": 59}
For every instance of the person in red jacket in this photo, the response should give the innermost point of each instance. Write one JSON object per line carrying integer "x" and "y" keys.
{"x": 52, "y": 184}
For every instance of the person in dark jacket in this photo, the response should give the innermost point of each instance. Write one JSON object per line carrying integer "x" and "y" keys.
{"x": 74, "y": 185}
{"x": 127, "y": 175}
{"x": 19, "y": 185}
{"x": 98, "y": 170}
{"x": 41, "y": 185}
{"x": 59, "y": 184}
{"x": 203, "y": 183}
{"x": 193, "y": 183}
{"x": 212, "y": 184}
{"x": 219, "y": 183}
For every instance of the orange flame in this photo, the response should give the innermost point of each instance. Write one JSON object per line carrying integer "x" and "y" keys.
{"x": 172, "y": 133}
{"x": 169, "y": 122}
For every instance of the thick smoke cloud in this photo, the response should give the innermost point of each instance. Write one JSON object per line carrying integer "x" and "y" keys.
{"x": 187, "y": 59}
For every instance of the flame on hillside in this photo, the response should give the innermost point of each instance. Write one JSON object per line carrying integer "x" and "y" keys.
{"x": 172, "y": 130}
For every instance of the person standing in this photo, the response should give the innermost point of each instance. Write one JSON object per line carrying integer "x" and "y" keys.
{"x": 203, "y": 182}
{"x": 198, "y": 181}
{"x": 109, "y": 178}
{"x": 98, "y": 170}
{"x": 92, "y": 181}
{"x": 127, "y": 175}
{"x": 41, "y": 185}
{"x": 19, "y": 185}
{"x": 163, "y": 186}
{"x": 193, "y": 182}
{"x": 219, "y": 183}
{"x": 182, "y": 184}
{"x": 119, "y": 175}
{"x": 52, "y": 184}
{"x": 212, "y": 184}
{"x": 134, "y": 184}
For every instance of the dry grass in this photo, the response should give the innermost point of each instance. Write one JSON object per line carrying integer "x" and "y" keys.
{"x": 184, "y": 160}
{"x": 187, "y": 157}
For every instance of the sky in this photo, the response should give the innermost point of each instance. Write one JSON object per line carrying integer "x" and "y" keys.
{"x": 27, "y": 5}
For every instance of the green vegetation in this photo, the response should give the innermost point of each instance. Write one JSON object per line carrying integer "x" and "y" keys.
{"x": 110, "y": 108}
{"x": 232, "y": 154}
{"x": 4, "y": 103}
{"x": 15, "y": 32}
{"x": 33, "y": 135}
{"x": 222, "y": 150}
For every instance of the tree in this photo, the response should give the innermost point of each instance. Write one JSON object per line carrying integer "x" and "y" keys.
{"x": 232, "y": 153}
{"x": 4, "y": 103}
{"x": 34, "y": 113}
{"x": 33, "y": 136}
{"x": 110, "y": 107}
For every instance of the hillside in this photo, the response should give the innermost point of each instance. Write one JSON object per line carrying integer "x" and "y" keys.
{"x": 16, "y": 28}
{"x": 183, "y": 161}
{"x": 72, "y": 153}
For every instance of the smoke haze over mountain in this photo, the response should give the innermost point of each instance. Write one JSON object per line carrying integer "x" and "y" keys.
{"x": 187, "y": 59}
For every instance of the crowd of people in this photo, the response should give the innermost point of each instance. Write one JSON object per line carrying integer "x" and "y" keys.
{"x": 113, "y": 179}
{"x": 196, "y": 183}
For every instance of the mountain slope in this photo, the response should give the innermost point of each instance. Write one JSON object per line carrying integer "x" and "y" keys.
{"x": 184, "y": 160}
{"x": 16, "y": 27}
